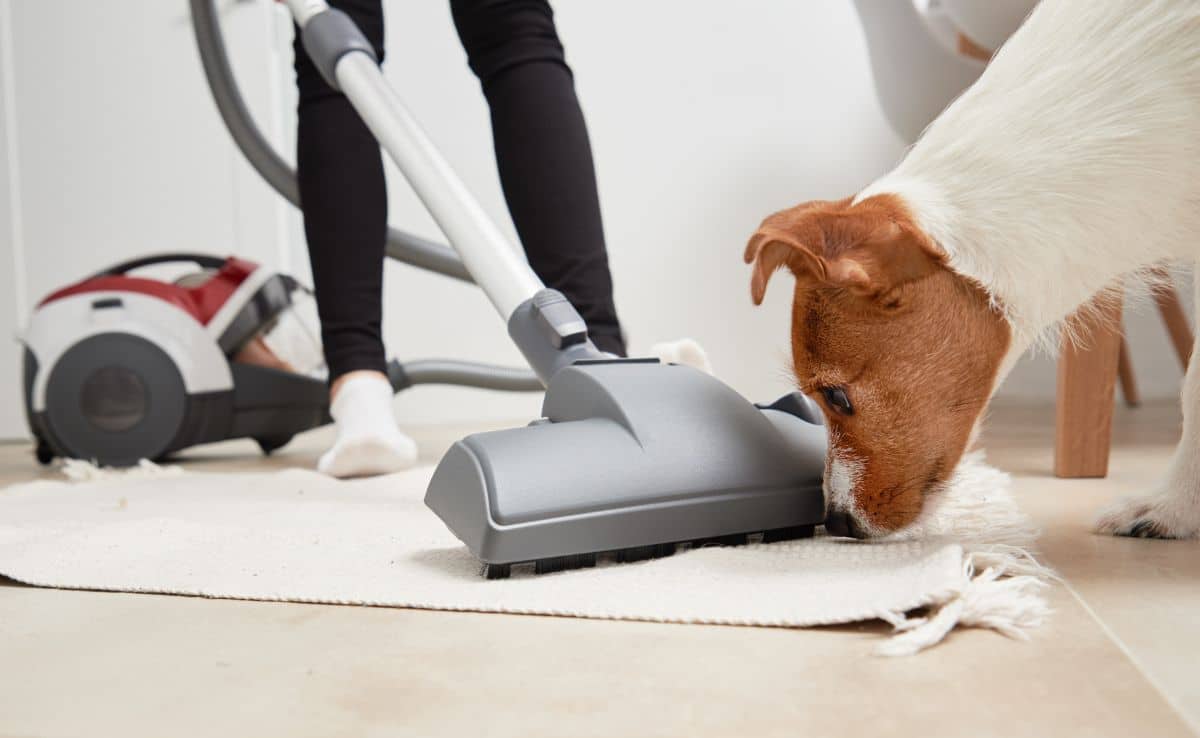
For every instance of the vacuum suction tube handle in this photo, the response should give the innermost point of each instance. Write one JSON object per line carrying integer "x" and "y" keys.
{"x": 346, "y": 60}
{"x": 544, "y": 325}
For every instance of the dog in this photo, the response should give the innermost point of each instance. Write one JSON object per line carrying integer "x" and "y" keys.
{"x": 1073, "y": 161}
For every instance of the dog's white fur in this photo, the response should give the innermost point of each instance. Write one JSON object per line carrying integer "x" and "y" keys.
{"x": 1074, "y": 160}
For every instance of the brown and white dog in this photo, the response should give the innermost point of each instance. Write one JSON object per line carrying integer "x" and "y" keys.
{"x": 1073, "y": 161}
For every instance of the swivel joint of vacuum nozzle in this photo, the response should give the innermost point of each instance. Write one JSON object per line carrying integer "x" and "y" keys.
{"x": 330, "y": 34}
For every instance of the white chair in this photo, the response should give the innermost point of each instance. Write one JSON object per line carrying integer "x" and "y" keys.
{"x": 924, "y": 53}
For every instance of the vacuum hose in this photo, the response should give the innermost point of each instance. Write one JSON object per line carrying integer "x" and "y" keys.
{"x": 461, "y": 374}
{"x": 405, "y": 247}
{"x": 278, "y": 173}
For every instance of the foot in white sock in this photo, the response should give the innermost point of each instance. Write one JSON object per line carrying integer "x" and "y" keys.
{"x": 685, "y": 351}
{"x": 368, "y": 440}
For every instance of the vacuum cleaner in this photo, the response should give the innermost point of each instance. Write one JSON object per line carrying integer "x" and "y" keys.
{"x": 121, "y": 366}
{"x": 631, "y": 457}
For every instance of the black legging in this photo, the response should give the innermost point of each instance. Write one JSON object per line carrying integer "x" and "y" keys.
{"x": 542, "y": 152}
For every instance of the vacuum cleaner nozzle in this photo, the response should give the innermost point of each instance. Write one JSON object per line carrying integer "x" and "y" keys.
{"x": 632, "y": 456}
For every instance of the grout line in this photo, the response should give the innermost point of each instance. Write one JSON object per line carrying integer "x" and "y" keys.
{"x": 8, "y": 87}
{"x": 1183, "y": 714}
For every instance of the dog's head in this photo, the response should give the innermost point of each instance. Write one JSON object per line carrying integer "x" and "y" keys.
{"x": 900, "y": 352}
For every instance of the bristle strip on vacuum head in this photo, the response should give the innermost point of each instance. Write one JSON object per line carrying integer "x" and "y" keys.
{"x": 737, "y": 539}
{"x": 562, "y": 563}
{"x": 652, "y": 551}
{"x": 497, "y": 571}
{"x": 641, "y": 553}
{"x": 788, "y": 534}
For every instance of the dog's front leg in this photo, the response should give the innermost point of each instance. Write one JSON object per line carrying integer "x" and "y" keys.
{"x": 1173, "y": 509}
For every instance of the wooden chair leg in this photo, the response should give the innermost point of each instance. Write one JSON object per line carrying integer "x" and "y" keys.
{"x": 1087, "y": 377}
{"x": 967, "y": 47}
{"x": 1129, "y": 388}
{"x": 1178, "y": 327}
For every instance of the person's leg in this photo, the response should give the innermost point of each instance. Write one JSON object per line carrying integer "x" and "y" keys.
{"x": 342, "y": 189}
{"x": 543, "y": 152}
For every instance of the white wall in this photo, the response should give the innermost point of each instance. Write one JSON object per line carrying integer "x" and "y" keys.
{"x": 12, "y": 295}
{"x": 703, "y": 117}
{"x": 118, "y": 150}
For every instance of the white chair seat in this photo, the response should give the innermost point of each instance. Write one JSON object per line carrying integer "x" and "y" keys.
{"x": 913, "y": 49}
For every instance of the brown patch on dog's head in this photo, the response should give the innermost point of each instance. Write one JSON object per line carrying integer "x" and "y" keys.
{"x": 899, "y": 351}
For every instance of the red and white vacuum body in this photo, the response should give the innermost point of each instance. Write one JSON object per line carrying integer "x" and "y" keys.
{"x": 120, "y": 368}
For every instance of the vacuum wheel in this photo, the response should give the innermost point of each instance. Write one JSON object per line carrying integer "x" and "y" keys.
{"x": 269, "y": 444}
{"x": 114, "y": 398}
{"x": 42, "y": 451}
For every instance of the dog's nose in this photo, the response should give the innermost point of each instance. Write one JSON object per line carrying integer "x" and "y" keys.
{"x": 838, "y": 523}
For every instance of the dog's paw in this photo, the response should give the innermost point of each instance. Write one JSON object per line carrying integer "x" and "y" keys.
{"x": 1153, "y": 516}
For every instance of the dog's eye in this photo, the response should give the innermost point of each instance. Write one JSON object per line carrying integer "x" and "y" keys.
{"x": 836, "y": 397}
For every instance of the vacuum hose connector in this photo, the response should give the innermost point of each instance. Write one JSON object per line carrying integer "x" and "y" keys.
{"x": 328, "y": 36}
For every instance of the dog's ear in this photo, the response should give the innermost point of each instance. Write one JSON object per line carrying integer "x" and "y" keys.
{"x": 880, "y": 258}
{"x": 869, "y": 248}
{"x": 771, "y": 248}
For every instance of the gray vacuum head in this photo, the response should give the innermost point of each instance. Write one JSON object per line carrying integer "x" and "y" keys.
{"x": 632, "y": 456}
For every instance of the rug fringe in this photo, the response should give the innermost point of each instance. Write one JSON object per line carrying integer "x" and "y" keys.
{"x": 1004, "y": 596}
{"x": 79, "y": 470}
{"x": 974, "y": 508}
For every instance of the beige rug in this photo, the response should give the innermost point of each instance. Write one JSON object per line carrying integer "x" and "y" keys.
{"x": 299, "y": 536}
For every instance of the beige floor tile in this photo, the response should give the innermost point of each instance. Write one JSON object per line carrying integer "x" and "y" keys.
{"x": 1146, "y": 593}
{"x": 79, "y": 663}
{"x": 86, "y": 663}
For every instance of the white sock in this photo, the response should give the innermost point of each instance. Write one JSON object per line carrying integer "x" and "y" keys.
{"x": 685, "y": 351}
{"x": 368, "y": 440}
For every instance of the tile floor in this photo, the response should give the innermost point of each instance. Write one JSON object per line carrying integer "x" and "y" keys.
{"x": 1120, "y": 656}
